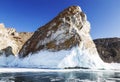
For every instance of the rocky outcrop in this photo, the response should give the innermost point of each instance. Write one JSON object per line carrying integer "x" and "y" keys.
{"x": 108, "y": 49}
{"x": 7, "y": 51}
{"x": 11, "y": 41}
{"x": 69, "y": 29}
{"x": 22, "y": 38}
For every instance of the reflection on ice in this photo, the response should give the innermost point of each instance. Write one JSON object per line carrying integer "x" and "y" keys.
{"x": 69, "y": 76}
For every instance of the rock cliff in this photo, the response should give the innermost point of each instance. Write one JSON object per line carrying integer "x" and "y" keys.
{"x": 11, "y": 41}
{"x": 108, "y": 49}
{"x": 67, "y": 30}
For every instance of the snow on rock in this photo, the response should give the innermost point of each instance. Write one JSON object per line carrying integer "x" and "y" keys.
{"x": 64, "y": 32}
{"x": 63, "y": 42}
{"x": 75, "y": 57}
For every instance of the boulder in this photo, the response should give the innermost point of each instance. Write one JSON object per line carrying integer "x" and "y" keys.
{"x": 6, "y": 51}
{"x": 108, "y": 49}
{"x": 67, "y": 30}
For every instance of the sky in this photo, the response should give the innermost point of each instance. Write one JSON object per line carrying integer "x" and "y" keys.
{"x": 28, "y": 15}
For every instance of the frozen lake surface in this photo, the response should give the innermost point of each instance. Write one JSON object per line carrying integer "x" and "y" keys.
{"x": 58, "y": 75}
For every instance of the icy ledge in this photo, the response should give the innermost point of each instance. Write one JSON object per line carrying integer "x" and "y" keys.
{"x": 76, "y": 57}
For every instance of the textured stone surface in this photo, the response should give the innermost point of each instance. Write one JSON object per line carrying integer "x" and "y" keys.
{"x": 7, "y": 51}
{"x": 108, "y": 49}
{"x": 69, "y": 29}
{"x": 10, "y": 39}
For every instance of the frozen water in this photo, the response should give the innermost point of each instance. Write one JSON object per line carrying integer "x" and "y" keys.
{"x": 75, "y": 57}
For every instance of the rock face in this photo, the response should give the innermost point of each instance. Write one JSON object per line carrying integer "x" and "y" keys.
{"x": 7, "y": 51}
{"x": 69, "y": 29}
{"x": 109, "y": 49}
{"x": 11, "y": 41}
